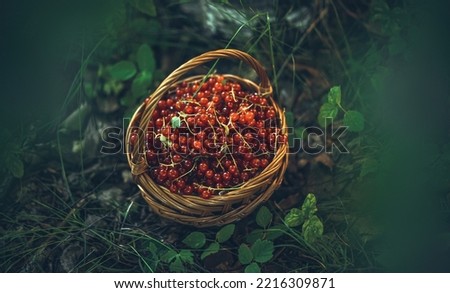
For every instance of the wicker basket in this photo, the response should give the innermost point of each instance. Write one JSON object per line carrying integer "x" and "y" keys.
{"x": 220, "y": 209}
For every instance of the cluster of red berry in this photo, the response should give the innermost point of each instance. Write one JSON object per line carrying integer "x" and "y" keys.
{"x": 208, "y": 137}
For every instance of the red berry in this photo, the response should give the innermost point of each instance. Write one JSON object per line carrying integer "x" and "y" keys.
{"x": 162, "y": 173}
{"x": 264, "y": 162}
{"x": 209, "y": 174}
{"x": 197, "y": 144}
{"x": 189, "y": 109}
{"x": 270, "y": 113}
{"x": 203, "y": 167}
{"x": 232, "y": 169}
{"x": 159, "y": 122}
{"x": 133, "y": 138}
{"x": 179, "y": 106}
{"x": 249, "y": 116}
{"x": 226, "y": 176}
{"x": 177, "y": 158}
{"x": 181, "y": 183}
{"x": 173, "y": 188}
{"x": 205, "y": 194}
{"x": 188, "y": 189}
{"x": 162, "y": 105}
{"x": 173, "y": 174}
{"x": 217, "y": 178}
{"x": 256, "y": 163}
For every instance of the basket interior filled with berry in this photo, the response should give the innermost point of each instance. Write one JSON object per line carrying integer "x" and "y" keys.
{"x": 207, "y": 150}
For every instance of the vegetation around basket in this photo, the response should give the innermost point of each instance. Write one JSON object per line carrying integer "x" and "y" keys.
{"x": 363, "y": 88}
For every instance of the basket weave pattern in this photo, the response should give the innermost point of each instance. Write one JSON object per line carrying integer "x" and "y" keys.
{"x": 220, "y": 209}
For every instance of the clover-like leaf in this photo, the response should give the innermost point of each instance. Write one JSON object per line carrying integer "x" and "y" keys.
{"x": 309, "y": 207}
{"x": 354, "y": 120}
{"x": 312, "y": 229}
{"x": 146, "y": 59}
{"x": 122, "y": 70}
{"x": 186, "y": 256}
{"x": 211, "y": 249}
{"x": 225, "y": 233}
{"x": 169, "y": 256}
{"x": 195, "y": 240}
{"x": 262, "y": 250}
{"x": 177, "y": 266}
{"x": 264, "y": 217}
{"x": 245, "y": 254}
{"x": 327, "y": 113}
{"x": 334, "y": 95}
{"x": 252, "y": 268}
{"x": 294, "y": 218}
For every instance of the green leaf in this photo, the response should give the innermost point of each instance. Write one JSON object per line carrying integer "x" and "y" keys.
{"x": 163, "y": 139}
{"x": 169, "y": 256}
{"x": 312, "y": 229}
{"x": 177, "y": 266}
{"x": 245, "y": 255}
{"x": 264, "y": 217}
{"x": 225, "y": 233}
{"x": 252, "y": 268}
{"x": 254, "y": 235}
{"x": 141, "y": 83}
{"x": 195, "y": 240}
{"x": 354, "y": 120}
{"x": 289, "y": 119}
{"x": 309, "y": 207}
{"x": 300, "y": 132}
{"x": 15, "y": 165}
{"x": 145, "y": 6}
{"x": 175, "y": 121}
{"x": 327, "y": 110}
{"x": 89, "y": 89}
{"x": 211, "y": 249}
{"x": 334, "y": 95}
{"x": 275, "y": 231}
{"x": 122, "y": 70}
{"x": 146, "y": 59}
{"x": 262, "y": 250}
{"x": 186, "y": 256}
{"x": 294, "y": 218}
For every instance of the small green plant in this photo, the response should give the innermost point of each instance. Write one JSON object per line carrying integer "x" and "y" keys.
{"x": 222, "y": 235}
{"x": 177, "y": 260}
{"x": 133, "y": 76}
{"x": 257, "y": 250}
{"x": 260, "y": 247}
{"x": 330, "y": 109}
{"x": 162, "y": 255}
{"x": 258, "y": 253}
{"x": 312, "y": 227}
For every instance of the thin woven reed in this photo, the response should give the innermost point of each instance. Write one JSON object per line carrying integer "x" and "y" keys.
{"x": 219, "y": 209}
